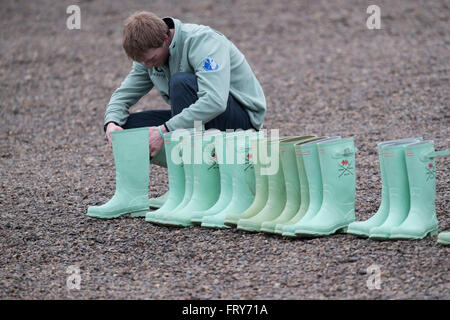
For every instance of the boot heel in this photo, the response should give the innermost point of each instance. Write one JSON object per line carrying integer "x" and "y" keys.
{"x": 342, "y": 230}
{"x": 433, "y": 233}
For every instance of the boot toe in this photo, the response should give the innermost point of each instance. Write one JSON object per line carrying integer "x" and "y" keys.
{"x": 444, "y": 238}
{"x": 248, "y": 225}
{"x": 380, "y": 233}
{"x": 358, "y": 229}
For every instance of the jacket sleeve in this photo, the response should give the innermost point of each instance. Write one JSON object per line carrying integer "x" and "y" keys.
{"x": 209, "y": 56}
{"x": 135, "y": 86}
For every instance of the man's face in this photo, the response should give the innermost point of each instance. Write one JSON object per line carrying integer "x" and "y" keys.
{"x": 157, "y": 57}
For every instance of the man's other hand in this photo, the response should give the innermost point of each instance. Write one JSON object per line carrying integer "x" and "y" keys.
{"x": 155, "y": 140}
{"x": 110, "y": 128}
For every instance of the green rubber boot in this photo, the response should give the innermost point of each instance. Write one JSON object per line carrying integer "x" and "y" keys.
{"x": 261, "y": 190}
{"x": 225, "y": 173}
{"x": 187, "y": 159}
{"x": 206, "y": 186}
{"x": 276, "y": 199}
{"x": 161, "y": 160}
{"x": 243, "y": 190}
{"x": 313, "y": 193}
{"x": 173, "y": 142}
{"x": 158, "y": 202}
{"x": 292, "y": 180}
{"x": 398, "y": 188}
{"x": 362, "y": 228}
{"x": 287, "y": 228}
{"x": 421, "y": 220}
{"x": 131, "y": 159}
{"x": 444, "y": 238}
{"x": 337, "y": 165}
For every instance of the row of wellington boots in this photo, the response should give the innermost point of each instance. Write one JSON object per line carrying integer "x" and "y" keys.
{"x": 362, "y": 228}
{"x": 202, "y": 175}
{"x": 276, "y": 195}
{"x": 310, "y": 185}
{"x": 238, "y": 162}
{"x": 290, "y": 164}
{"x": 131, "y": 160}
{"x": 337, "y": 211}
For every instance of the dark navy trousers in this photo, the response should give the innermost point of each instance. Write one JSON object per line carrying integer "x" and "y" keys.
{"x": 183, "y": 90}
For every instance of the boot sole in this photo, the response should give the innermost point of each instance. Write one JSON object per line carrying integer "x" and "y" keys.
{"x": 307, "y": 234}
{"x": 171, "y": 223}
{"x": 214, "y": 226}
{"x": 133, "y": 214}
{"x": 268, "y": 230}
{"x": 443, "y": 242}
{"x": 400, "y": 236}
{"x": 355, "y": 233}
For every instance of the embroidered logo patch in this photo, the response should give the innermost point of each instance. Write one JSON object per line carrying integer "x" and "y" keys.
{"x": 209, "y": 64}
{"x": 431, "y": 172}
{"x": 213, "y": 160}
{"x": 345, "y": 168}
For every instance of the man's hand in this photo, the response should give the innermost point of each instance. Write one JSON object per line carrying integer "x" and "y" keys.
{"x": 155, "y": 140}
{"x": 110, "y": 128}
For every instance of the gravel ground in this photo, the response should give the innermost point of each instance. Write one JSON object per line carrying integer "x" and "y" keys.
{"x": 322, "y": 71}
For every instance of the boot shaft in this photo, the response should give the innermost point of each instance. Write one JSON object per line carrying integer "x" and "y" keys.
{"x": 337, "y": 166}
{"x": 310, "y": 159}
{"x": 289, "y": 164}
{"x": 384, "y": 176}
{"x": 393, "y": 159}
{"x": 421, "y": 169}
{"x": 131, "y": 157}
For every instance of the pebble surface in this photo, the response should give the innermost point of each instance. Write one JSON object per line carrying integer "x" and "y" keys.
{"x": 322, "y": 72}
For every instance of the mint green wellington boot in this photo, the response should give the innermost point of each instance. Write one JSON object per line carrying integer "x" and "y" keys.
{"x": 184, "y": 148}
{"x": 292, "y": 180}
{"x": 362, "y": 228}
{"x": 261, "y": 189}
{"x": 225, "y": 174}
{"x": 421, "y": 220}
{"x": 276, "y": 199}
{"x": 206, "y": 186}
{"x": 175, "y": 170}
{"x": 131, "y": 159}
{"x": 393, "y": 157}
{"x": 243, "y": 180}
{"x": 160, "y": 160}
{"x": 444, "y": 238}
{"x": 337, "y": 165}
{"x": 310, "y": 186}
{"x": 304, "y": 192}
